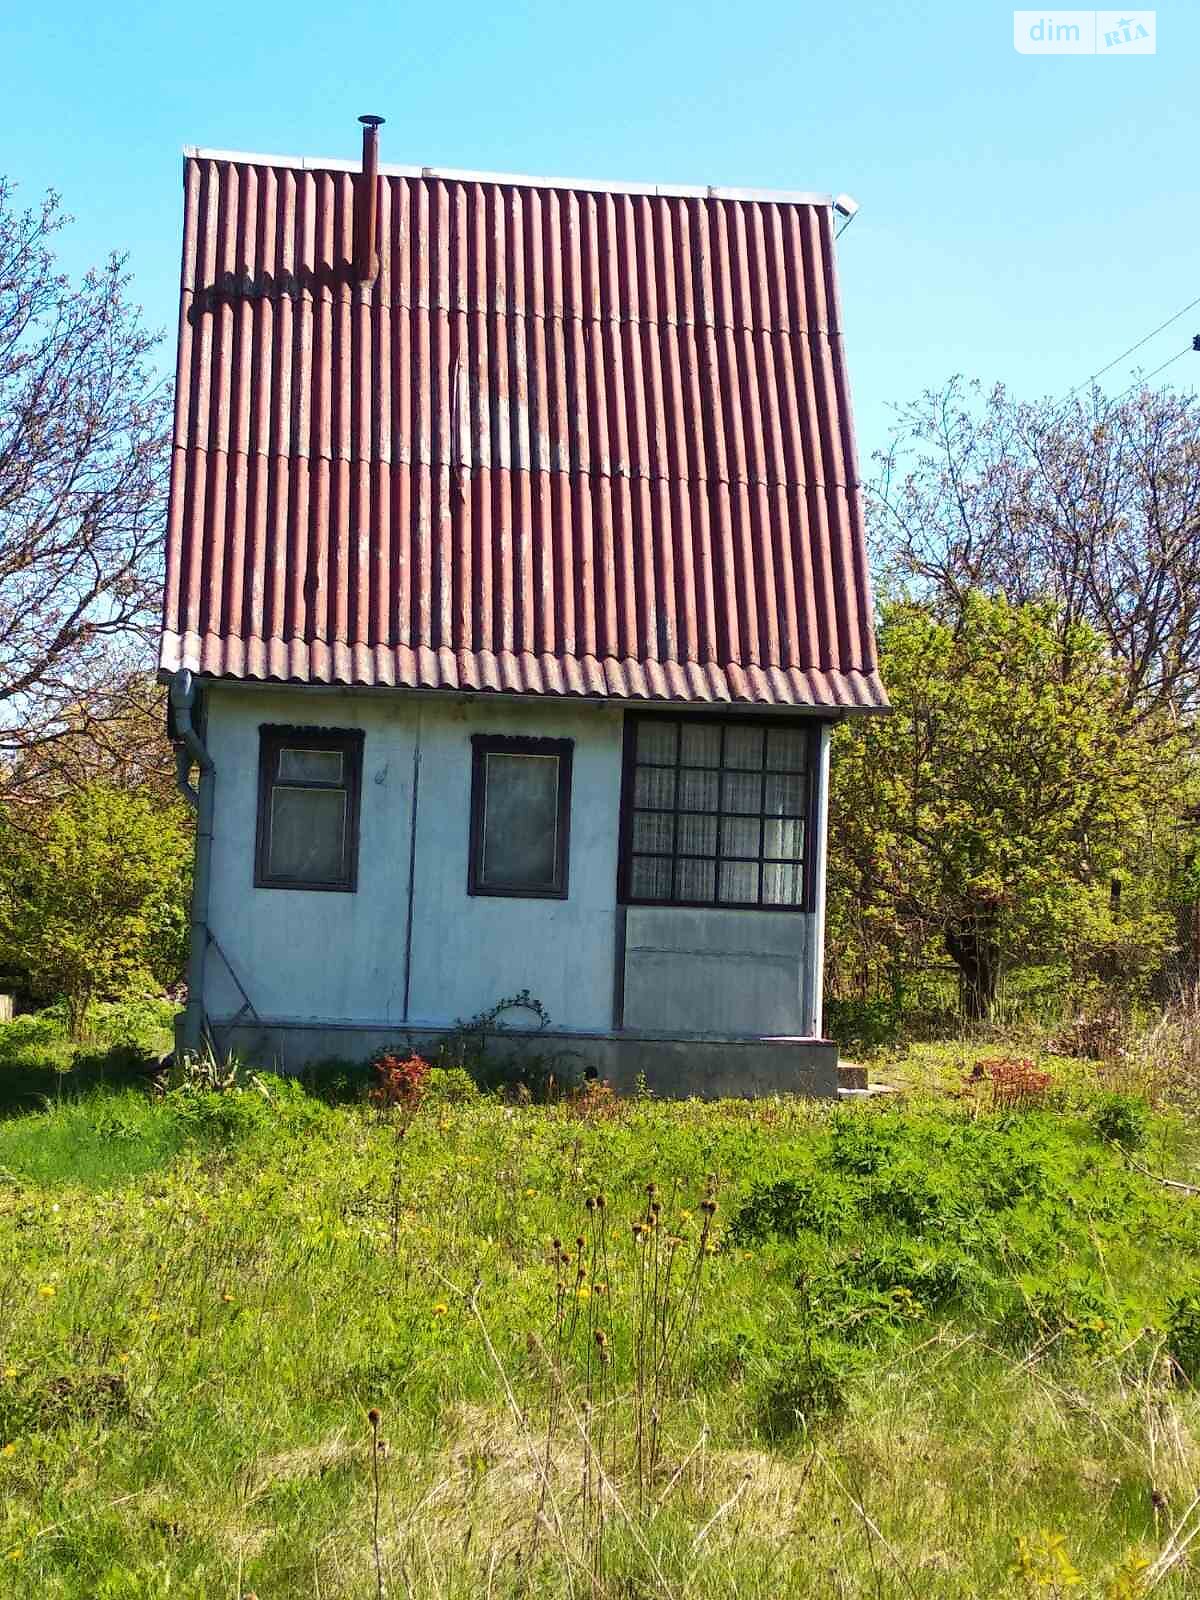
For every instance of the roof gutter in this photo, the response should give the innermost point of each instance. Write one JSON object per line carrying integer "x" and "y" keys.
{"x": 189, "y": 747}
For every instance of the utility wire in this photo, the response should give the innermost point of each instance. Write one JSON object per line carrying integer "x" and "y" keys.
{"x": 1187, "y": 350}
{"x": 1117, "y": 359}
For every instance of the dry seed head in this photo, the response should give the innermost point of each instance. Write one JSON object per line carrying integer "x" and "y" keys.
{"x": 600, "y": 1202}
{"x": 374, "y": 1417}
{"x": 579, "y": 1243}
{"x": 600, "y": 1337}
{"x": 589, "y": 1204}
{"x": 556, "y": 1244}
{"x": 708, "y": 1206}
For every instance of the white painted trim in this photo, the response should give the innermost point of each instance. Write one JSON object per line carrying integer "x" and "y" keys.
{"x": 515, "y": 180}
{"x": 814, "y": 1008}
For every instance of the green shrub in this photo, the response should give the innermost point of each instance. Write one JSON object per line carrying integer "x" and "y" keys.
{"x": 933, "y": 1275}
{"x": 335, "y": 1080}
{"x": 450, "y": 1086}
{"x": 864, "y": 1025}
{"x": 817, "y": 1201}
{"x": 1123, "y": 1119}
{"x": 1072, "y": 1315}
{"x": 809, "y": 1383}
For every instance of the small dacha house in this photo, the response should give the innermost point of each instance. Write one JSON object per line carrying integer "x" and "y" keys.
{"x": 515, "y": 577}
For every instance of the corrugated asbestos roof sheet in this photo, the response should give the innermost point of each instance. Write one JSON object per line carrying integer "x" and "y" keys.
{"x": 569, "y": 441}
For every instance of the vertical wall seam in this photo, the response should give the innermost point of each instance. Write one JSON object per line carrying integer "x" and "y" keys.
{"x": 412, "y": 861}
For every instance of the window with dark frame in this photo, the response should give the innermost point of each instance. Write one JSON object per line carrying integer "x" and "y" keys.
{"x": 717, "y": 812}
{"x": 520, "y": 816}
{"x": 309, "y": 783}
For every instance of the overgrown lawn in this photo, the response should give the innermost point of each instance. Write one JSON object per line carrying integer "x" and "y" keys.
{"x": 923, "y": 1348}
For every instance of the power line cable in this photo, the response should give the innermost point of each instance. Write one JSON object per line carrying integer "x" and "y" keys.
{"x": 1145, "y": 340}
{"x": 1138, "y": 382}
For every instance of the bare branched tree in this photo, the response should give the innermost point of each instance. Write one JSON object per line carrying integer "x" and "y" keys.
{"x": 1093, "y": 504}
{"x": 83, "y": 462}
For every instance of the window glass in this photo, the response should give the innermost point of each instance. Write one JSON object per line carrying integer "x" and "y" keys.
{"x": 697, "y": 836}
{"x": 656, "y": 787}
{"x": 520, "y": 823}
{"x": 308, "y": 834}
{"x": 310, "y": 766}
{"x": 787, "y": 750}
{"x": 739, "y": 882}
{"x": 309, "y": 782}
{"x": 700, "y": 744}
{"x": 697, "y": 789}
{"x": 717, "y": 811}
{"x": 658, "y": 742}
{"x": 520, "y": 815}
{"x": 654, "y": 830}
{"x": 651, "y": 878}
{"x": 694, "y": 879}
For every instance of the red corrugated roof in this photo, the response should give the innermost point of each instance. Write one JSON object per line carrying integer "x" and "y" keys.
{"x": 571, "y": 440}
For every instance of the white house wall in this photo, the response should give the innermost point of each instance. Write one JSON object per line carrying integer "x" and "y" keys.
{"x": 307, "y": 956}
{"x": 469, "y": 951}
{"x": 307, "y": 953}
{"x": 730, "y": 972}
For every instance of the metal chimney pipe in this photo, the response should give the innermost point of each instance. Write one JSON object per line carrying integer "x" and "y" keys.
{"x": 366, "y": 243}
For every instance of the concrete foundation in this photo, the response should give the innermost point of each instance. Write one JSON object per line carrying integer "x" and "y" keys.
{"x": 673, "y": 1066}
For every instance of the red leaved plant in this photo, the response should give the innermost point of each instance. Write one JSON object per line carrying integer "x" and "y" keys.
{"x": 1014, "y": 1081}
{"x": 399, "y": 1080}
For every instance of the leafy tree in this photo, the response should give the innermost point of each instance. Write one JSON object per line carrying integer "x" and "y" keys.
{"x": 83, "y": 464}
{"x": 1093, "y": 505}
{"x": 93, "y": 897}
{"x": 1005, "y": 810}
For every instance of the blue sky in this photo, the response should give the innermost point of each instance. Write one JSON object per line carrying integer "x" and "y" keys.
{"x": 1023, "y": 218}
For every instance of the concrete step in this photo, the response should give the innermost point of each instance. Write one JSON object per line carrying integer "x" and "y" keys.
{"x": 851, "y": 1075}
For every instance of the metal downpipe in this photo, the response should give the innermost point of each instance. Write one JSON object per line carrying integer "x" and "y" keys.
{"x": 188, "y": 748}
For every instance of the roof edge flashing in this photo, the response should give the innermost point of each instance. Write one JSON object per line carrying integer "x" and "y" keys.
{"x": 515, "y": 180}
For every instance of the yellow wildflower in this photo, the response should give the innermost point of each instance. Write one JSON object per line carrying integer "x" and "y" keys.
{"x": 47, "y": 1290}
{"x": 10, "y": 1372}
{"x": 583, "y": 1292}
{"x": 440, "y": 1309}
{"x": 9, "y": 1449}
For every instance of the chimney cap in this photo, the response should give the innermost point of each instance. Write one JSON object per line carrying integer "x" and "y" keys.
{"x": 372, "y": 122}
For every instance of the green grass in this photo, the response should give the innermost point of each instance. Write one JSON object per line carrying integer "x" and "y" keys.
{"x": 908, "y": 1338}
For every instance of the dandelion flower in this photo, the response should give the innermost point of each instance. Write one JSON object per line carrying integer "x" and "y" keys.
{"x": 154, "y": 1316}
{"x": 530, "y": 1193}
{"x": 440, "y": 1309}
{"x": 583, "y": 1292}
{"x": 10, "y": 1372}
{"x": 47, "y": 1291}
{"x": 9, "y": 1449}
{"x": 228, "y": 1299}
